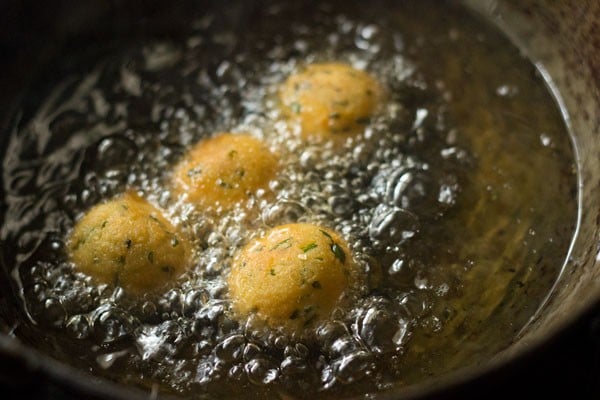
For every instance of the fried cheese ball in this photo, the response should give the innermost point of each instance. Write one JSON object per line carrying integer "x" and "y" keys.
{"x": 330, "y": 100}
{"x": 225, "y": 170}
{"x": 292, "y": 278}
{"x": 128, "y": 242}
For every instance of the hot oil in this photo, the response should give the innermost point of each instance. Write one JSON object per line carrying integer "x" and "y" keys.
{"x": 458, "y": 199}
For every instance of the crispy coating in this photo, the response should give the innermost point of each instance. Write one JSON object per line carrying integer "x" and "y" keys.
{"x": 330, "y": 100}
{"x": 224, "y": 170}
{"x": 128, "y": 242}
{"x": 293, "y": 277}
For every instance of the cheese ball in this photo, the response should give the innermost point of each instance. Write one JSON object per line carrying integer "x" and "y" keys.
{"x": 330, "y": 100}
{"x": 292, "y": 278}
{"x": 129, "y": 243}
{"x": 224, "y": 170}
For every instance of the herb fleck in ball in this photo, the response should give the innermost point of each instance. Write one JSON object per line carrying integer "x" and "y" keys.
{"x": 330, "y": 100}
{"x": 128, "y": 242}
{"x": 225, "y": 170}
{"x": 292, "y": 278}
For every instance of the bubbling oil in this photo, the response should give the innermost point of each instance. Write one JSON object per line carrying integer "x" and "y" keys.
{"x": 452, "y": 233}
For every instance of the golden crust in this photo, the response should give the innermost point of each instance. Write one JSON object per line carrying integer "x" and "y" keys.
{"x": 330, "y": 100}
{"x": 291, "y": 278}
{"x": 224, "y": 170}
{"x": 128, "y": 242}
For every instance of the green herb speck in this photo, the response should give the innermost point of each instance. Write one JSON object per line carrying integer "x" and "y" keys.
{"x": 151, "y": 257}
{"x": 326, "y": 234}
{"x": 296, "y": 107}
{"x": 224, "y": 184}
{"x": 316, "y": 285}
{"x": 272, "y": 272}
{"x": 79, "y": 242}
{"x": 284, "y": 244}
{"x": 338, "y": 252}
{"x": 309, "y": 247}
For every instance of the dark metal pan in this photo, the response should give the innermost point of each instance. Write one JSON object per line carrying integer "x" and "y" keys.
{"x": 562, "y": 37}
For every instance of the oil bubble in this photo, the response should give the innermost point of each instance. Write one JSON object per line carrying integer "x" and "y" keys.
{"x": 392, "y": 225}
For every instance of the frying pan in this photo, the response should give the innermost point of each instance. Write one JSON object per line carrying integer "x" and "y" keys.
{"x": 562, "y": 38}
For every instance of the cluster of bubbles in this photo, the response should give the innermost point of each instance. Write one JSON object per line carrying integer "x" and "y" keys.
{"x": 127, "y": 120}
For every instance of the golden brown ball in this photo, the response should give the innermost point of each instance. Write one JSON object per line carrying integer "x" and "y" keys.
{"x": 291, "y": 278}
{"x": 224, "y": 170}
{"x": 128, "y": 242}
{"x": 330, "y": 100}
